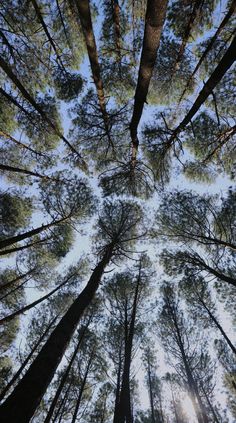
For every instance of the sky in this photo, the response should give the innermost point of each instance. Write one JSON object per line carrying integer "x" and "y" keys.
{"x": 83, "y": 243}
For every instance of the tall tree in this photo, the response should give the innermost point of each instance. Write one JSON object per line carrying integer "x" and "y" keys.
{"x": 118, "y": 227}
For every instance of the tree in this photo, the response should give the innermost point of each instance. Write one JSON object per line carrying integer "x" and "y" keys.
{"x": 154, "y": 21}
{"x": 115, "y": 239}
{"x": 190, "y": 218}
{"x": 176, "y": 337}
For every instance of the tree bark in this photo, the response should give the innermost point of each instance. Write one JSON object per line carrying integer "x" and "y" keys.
{"x": 217, "y": 324}
{"x": 154, "y": 21}
{"x": 81, "y": 390}
{"x": 23, "y": 247}
{"x": 124, "y": 412}
{"x": 224, "y": 65}
{"x": 196, "y": 7}
{"x": 150, "y": 391}
{"x": 64, "y": 377}
{"x": 45, "y": 28}
{"x": 7, "y": 168}
{"x": 34, "y": 303}
{"x": 8, "y": 71}
{"x": 84, "y": 12}
{"x": 26, "y": 361}
{"x": 210, "y": 45}
{"x": 216, "y": 273}
{"x": 116, "y": 22}
{"x": 20, "y": 144}
{"x": 28, "y": 393}
{"x": 117, "y": 396}
{"x": 18, "y": 278}
{"x": 17, "y": 238}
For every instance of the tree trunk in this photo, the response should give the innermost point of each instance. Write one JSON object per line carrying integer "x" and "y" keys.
{"x": 24, "y": 247}
{"x": 26, "y": 361}
{"x": 65, "y": 376}
{"x": 17, "y": 238}
{"x": 5, "y": 67}
{"x": 84, "y": 12}
{"x": 216, "y": 420}
{"x": 45, "y": 28}
{"x": 34, "y": 303}
{"x": 62, "y": 405}
{"x": 193, "y": 388}
{"x": 217, "y": 324}
{"x": 7, "y": 168}
{"x": 117, "y": 399}
{"x": 81, "y": 391}
{"x": 116, "y": 22}
{"x": 18, "y": 278}
{"x": 124, "y": 412}
{"x": 20, "y": 144}
{"x": 28, "y": 393}
{"x": 150, "y": 391}
{"x": 210, "y": 45}
{"x": 154, "y": 21}
{"x": 216, "y": 273}
{"x": 224, "y": 65}
{"x": 196, "y": 8}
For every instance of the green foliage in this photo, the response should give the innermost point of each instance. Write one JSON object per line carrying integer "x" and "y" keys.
{"x": 15, "y": 212}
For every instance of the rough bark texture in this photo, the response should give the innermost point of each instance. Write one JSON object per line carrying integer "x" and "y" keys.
{"x": 154, "y": 21}
{"x": 210, "y": 45}
{"x": 28, "y": 393}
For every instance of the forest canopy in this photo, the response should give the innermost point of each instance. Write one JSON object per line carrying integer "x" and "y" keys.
{"x": 117, "y": 211}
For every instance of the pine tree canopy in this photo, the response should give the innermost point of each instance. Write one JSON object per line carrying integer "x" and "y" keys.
{"x": 117, "y": 211}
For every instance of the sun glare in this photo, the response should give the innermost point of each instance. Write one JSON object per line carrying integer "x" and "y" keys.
{"x": 188, "y": 409}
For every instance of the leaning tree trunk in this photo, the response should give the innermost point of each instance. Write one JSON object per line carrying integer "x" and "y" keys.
{"x": 28, "y": 393}
{"x": 7, "y": 168}
{"x": 196, "y": 8}
{"x": 84, "y": 12}
{"x": 20, "y": 144}
{"x": 45, "y": 28}
{"x": 154, "y": 21}
{"x": 210, "y": 45}
{"x": 64, "y": 377}
{"x": 8, "y": 71}
{"x": 216, "y": 273}
{"x": 26, "y": 361}
{"x": 34, "y": 303}
{"x": 217, "y": 324}
{"x": 81, "y": 390}
{"x": 116, "y": 22}
{"x": 226, "y": 62}
{"x": 17, "y": 238}
{"x": 16, "y": 279}
{"x": 23, "y": 247}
